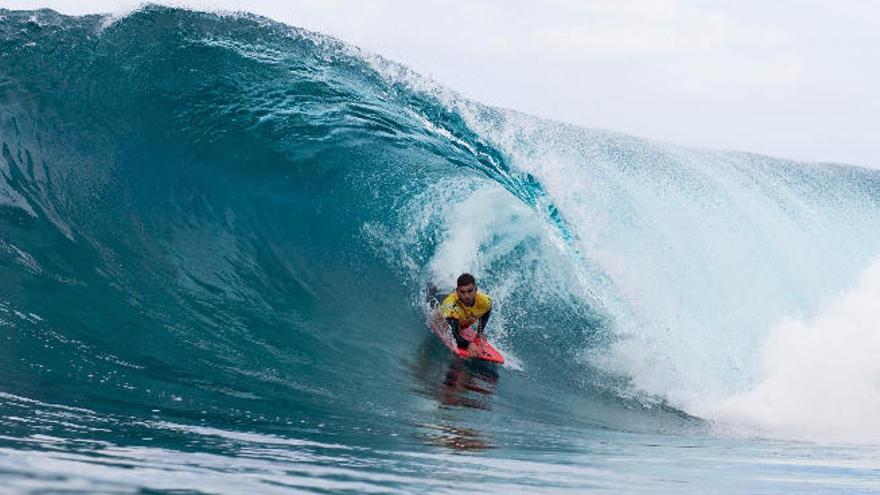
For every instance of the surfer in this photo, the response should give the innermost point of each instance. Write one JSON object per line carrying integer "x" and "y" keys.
{"x": 464, "y": 307}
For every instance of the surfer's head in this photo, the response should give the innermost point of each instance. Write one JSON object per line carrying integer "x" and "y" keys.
{"x": 466, "y": 288}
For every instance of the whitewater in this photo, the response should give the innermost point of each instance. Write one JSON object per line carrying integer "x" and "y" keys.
{"x": 217, "y": 231}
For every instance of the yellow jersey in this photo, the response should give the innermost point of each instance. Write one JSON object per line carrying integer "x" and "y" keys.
{"x": 451, "y": 307}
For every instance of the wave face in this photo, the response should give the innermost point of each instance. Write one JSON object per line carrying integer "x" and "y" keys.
{"x": 217, "y": 230}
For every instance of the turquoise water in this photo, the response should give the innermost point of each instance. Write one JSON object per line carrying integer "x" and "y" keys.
{"x": 216, "y": 235}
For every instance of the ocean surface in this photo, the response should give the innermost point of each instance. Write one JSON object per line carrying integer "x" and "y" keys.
{"x": 215, "y": 236}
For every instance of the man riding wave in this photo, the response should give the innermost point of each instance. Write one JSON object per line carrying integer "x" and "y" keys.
{"x": 464, "y": 307}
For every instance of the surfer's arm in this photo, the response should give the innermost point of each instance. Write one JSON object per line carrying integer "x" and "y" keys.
{"x": 484, "y": 320}
{"x": 455, "y": 327}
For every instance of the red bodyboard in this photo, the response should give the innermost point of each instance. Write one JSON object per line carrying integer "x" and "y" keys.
{"x": 485, "y": 351}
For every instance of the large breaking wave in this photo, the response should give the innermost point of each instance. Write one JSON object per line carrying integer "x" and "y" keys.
{"x": 231, "y": 220}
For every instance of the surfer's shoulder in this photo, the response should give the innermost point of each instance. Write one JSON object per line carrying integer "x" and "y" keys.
{"x": 450, "y": 300}
{"x": 449, "y": 304}
{"x": 484, "y": 300}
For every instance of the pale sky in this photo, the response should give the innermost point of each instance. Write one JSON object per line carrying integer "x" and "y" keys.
{"x": 792, "y": 79}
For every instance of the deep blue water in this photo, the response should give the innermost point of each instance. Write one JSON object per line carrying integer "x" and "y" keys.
{"x": 215, "y": 237}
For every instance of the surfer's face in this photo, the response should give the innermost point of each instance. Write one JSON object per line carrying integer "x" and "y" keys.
{"x": 466, "y": 294}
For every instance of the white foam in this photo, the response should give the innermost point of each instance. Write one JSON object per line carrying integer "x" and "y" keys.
{"x": 470, "y": 227}
{"x": 821, "y": 377}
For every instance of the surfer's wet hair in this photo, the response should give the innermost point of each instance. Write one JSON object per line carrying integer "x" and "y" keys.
{"x": 465, "y": 279}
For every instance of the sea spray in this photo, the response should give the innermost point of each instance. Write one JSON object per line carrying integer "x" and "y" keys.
{"x": 820, "y": 376}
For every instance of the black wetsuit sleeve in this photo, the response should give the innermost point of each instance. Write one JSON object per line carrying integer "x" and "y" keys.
{"x": 459, "y": 340}
{"x": 484, "y": 320}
